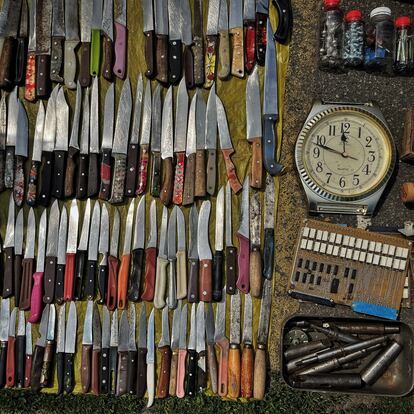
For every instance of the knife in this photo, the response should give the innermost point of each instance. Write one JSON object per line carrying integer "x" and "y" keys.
{"x": 71, "y": 246}
{"x": 144, "y": 142}
{"x": 121, "y": 39}
{"x": 4, "y": 12}
{"x": 51, "y": 253}
{"x": 4, "y": 333}
{"x": 254, "y": 127}
{"x": 106, "y": 147}
{"x": 96, "y": 350}
{"x": 165, "y": 350}
{"x": 187, "y": 40}
{"x": 237, "y": 37}
{"x": 108, "y": 39}
{"x": 113, "y": 353}
{"x": 37, "y": 289}
{"x": 90, "y": 284}
{"x": 72, "y": 40}
{"x": 96, "y": 25}
{"x": 200, "y": 181}
{"x": 211, "y": 141}
{"x": 43, "y": 44}
{"x": 181, "y": 257}
{"x": 211, "y": 42}
{"x": 70, "y": 347}
{"x": 193, "y": 265}
{"x": 46, "y": 376}
{"x": 150, "y": 256}
{"x": 224, "y": 44}
{"x": 270, "y": 107}
{"x": 175, "y": 53}
{"x": 218, "y": 259}
{"x": 161, "y": 43}
{"x": 226, "y": 146}
{"x": 211, "y": 352}
{"x": 175, "y": 337}
{"x": 11, "y": 351}
{"x": 198, "y": 44}
{"x": 103, "y": 248}
{"x": 234, "y": 367}
{"x": 58, "y": 37}
{"x": 87, "y": 348}
{"x": 18, "y": 251}
{"x": 260, "y": 369}
{"x": 262, "y": 14}
{"x": 28, "y": 356}
{"x": 30, "y": 84}
{"x": 73, "y": 146}
{"x": 172, "y": 259}
{"x": 256, "y": 273}
{"x": 122, "y": 369}
{"x": 39, "y": 351}
{"x": 21, "y": 53}
{"x": 132, "y": 153}
{"x": 120, "y": 145}
{"x": 93, "y": 171}
{"x": 247, "y": 359}
{"x": 191, "y": 382}
{"x": 223, "y": 343}
{"x": 3, "y": 135}
{"x": 151, "y": 360}
{"x": 83, "y": 166}
{"x": 180, "y": 141}
{"x": 20, "y": 350}
{"x": 156, "y": 143}
{"x": 27, "y": 263}
{"x": 132, "y": 353}
{"x": 201, "y": 349}
{"x": 8, "y": 246}
{"x": 150, "y": 40}
{"x": 113, "y": 263}
{"x": 162, "y": 263}
{"x": 61, "y": 256}
{"x": 285, "y": 21}
{"x": 204, "y": 253}
{"x": 269, "y": 225}
{"x": 104, "y": 360}
{"x": 141, "y": 380}
{"x": 182, "y": 351}
{"x": 85, "y": 17}
{"x": 167, "y": 138}
{"x": 12, "y": 116}
{"x": 249, "y": 20}
{"x": 60, "y": 349}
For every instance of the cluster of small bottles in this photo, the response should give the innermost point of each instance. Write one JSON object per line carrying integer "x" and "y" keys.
{"x": 382, "y": 44}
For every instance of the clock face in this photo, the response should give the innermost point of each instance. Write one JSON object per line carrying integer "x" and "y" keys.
{"x": 346, "y": 153}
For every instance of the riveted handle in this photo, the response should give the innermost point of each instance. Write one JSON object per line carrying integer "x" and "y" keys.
{"x": 269, "y": 149}
{"x": 90, "y": 283}
{"x": 102, "y": 283}
{"x": 131, "y": 172}
{"x": 191, "y": 373}
{"x": 82, "y": 179}
{"x": 104, "y": 371}
{"x": 149, "y": 279}
{"x": 105, "y": 190}
{"x": 156, "y": 174}
{"x": 30, "y": 86}
{"x": 132, "y": 372}
{"x": 211, "y": 171}
{"x": 192, "y": 295}
{"x": 180, "y": 388}
{"x": 189, "y": 181}
{"x": 57, "y": 59}
{"x": 231, "y": 171}
{"x": 284, "y": 27}
{"x": 200, "y": 176}
{"x": 27, "y": 370}
{"x": 49, "y": 280}
{"x": 257, "y": 163}
{"x": 173, "y": 373}
{"x": 69, "y": 66}
{"x": 58, "y": 189}
{"x": 108, "y": 58}
{"x": 261, "y": 38}
{"x": 188, "y": 59}
{"x": 60, "y": 283}
{"x": 175, "y": 60}
{"x": 141, "y": 372}
{"x": 69, "y": 373}
{"x": 164, "y": 378}
{"x": 8, "y": 272}
{"x": 161, "y": 58}
{"x": 205, "y": 282}
{"x": 46, "y": 175}
{"x": 86, "y": 365}
{"x": 167, "y": 182}
{"x": 93, "y": 175}
{"x": 120, "y": 50}
{"x": 42, "y": 71}
{"x": 150, "y": 46}
{"x": 237, "y": 63}
{"x": 201, "y": 373}
{"x": 179, "y": 179}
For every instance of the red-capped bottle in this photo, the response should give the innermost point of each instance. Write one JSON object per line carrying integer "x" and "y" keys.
{"x": 353, "y": 45}
{"x": 403, "y": 51}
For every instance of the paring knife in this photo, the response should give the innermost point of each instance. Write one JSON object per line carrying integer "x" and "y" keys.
{"x": 122, "y": 369}
{"x": 234, "y": 367}
{"x": 249, "y": 21}
{"x": 103, "y": 249}
{"x": 204, "y": 253}
{"x": 108, "y": 39}
{"x": 85, "y": 18}
{"x": 12, "y": 115}
{"x": 218, "y": 260}
{"x": 61, "y": 256}
{"x": 237, "y": 37}
{"x": 90, "y": 282}
{"x": 175, "y": 338}
{"x": 151, "y": 360}
{"x": 83, "y": 165}
{"x": 211, "y": 352}
{"x": 30, "y": 84}
{"x": 141, "y": 380}
{"x": 20, "y": 350}
{"x": 113, "y": 353}
{"x": 11, "y": 351}
{"x": 87, "y": 348}
{"x": 132, "y": 353}
{"x": 3, "y": 135}
{"x": 262, "y": 14}
{"x": 182, "y": 352}
{"x": 121, "y": 39}
{"x": 37, "y": 289}
{"x": 106, "y": 147}
{"x": 93, "y": 170}
{"x": 191, "y": 381}
{"x": 28, "y": 356}
{"x": 165, "y": 350}
{"x": 172, "y": 259}
{"x": 104, "y": 378}
{"x": 175, "y": 53}
{"x": 285, "y": 21}
{"x": 198, "y": 44}
{"x": 162, "y": 263}
{"x": 113, "y": 263}
{"x": 255, "y": 255}
{"x": 71, "y": 41}
{"x": 58, "y": 37}
{"x": 269, "y": 228}
{"x": 96, "y": 26}
{"x": 211, "y": 42}
{"x": 70, "y": 348}
{"x": 224, "y": 53}
{"x": 4, "y": 334}
{"x": 181, "y": 256}
{"x": 211, "y": 141}
{"x": 247, "y": 359}
{"x": 60, "y": 349}
{"x": 187, "y": 40}
{"x": 21, "y": 53}
{"x": 156, "y": 143}
{"x": 161, "y": 44}
{"x": 201, "y": 349}
{"x": 200, "y": 180}
{"x": 46, "y": 376}
{"x": 22, "y": 139}
{"x": 18, "y": 252}
{"x": 150, "y": 40}
{"x": 193, "y": 265}
{"x": 8, "y": 246}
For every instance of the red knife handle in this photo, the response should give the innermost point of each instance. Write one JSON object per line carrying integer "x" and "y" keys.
{"x": 261, "y": 38}
{"x": 86, "y": 365}
{"x": 46, "y": 179}
{"x": 17, "y": 278}
{"x": 50, "y": 276}
{"x": 27, "y": 370}
{"x": 205, "y": 283}
{"x": 156, "y": 174}
{"x": 102, "y": 283}
{"x": 31, "y": 196}
{"x": 141, "y": 372}
{"x": 26, "y": 287}
{"x": 231, "y": 170}
{"x": 150, "y": 270}
{"x": 36, "y": 371}
{"x": 69, "y": 276}
{"x": 243, "y": 281}
{"x": 7, "y": 63}
{"x": 164, "y": 378}
{"x": 43, "y": 83}
{"x": 20, "y": 360}
{"x": 168, "y": 181}
{"x": 179, "y": 179}
{"x": 120, "y": 50}
{"x": 108, "y": 53}
{"x": 247, "y": 366}
{"x": 19, "y": 182}
{"x": 123, "y": 277}
{"x": 234, "y": 371}
{"x": 223, "y": 362}
{"x": 250, "y": 45}
{"x": 210, "y": 60}
{"x": 30, "y": 90}
{"x": 10, "y": 365}
{"x": 84, "y": 72}
{"x": 8, "y": 272}
{"x": 46, "y": 376}
{"x": 57, "y": 59}
{"x": 131, "y": 172}
{"x": 188, "y": 59}
{"x": 180, "y": 390}
{"x": 192, "y": 290}
{"x": 36, "y": 300}
{"x": 150, "y": 53}
{"x": 161, "y": 58}
{"x": 132, "y": 372}
{"x": 142, "y": 170}
{"x": 212, "y": 367}
{"x": 122, "y": 374}
{"x": 60, "y": 284}
{"x": 192, "y": 359}
{"x": 173, "y": 373}
{"x": 71, "y": 168}
{"x": 2, "y": 167}
{"x": 105, "y": 190}
{"x": 93, "y": 175}
{"x": 9, "y": 170}
{"x": 82, "y": 180}
{"x": 118, "y": 180}
{"x": 112, "y": 283}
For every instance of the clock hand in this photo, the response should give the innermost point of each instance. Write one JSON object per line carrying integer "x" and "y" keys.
{"x": 344, "y": 154}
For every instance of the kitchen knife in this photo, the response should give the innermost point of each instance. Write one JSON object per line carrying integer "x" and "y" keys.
{"x": 96, "y": 350}
{"x": 39, "y": 351}
{"x": 60, "y": 349}
{"x": 58, "y": 37}
{"x": 30, "y": 72}
{"x": 122, "y": 373}
{"x": 70, "y": 348}
{"x": 132, "y": 353}
{"x": 269, "y": 228}
{"x": 262, "y": 14}
{"x": 161, "y": 43}
{"x": 108, "y": 39}
{"x": 3, "y": 136}
{"x": 156, "y": 143}
{"x": 4, "y": 334}
{"x": 141, "y": 380}
{"x": 21, "y": 52}
{"x": 165, "y": 350}
{"x": 172, "y": 259}
{"x": 201, "y": 349}
{"x": 87, "y": 342}
{"x": 204, "y": 253}
{"x": 20, "y": 350}
{"x": 8, "y": 247}
{"x": 104, "y": 360}
{"x": 46, "y": 376}
{"x": 11, "y": 351}
{"x": 187, "y": 40}
{"x": 175, "y": 337}
{"x": 103, "y": 250}
{"x": 150, "y": 40}
{"x": 211, "y": 141}
{"x": 28, "y": 357}
{"x": 237, "y": 37}
{"x": 285, "y": 21}
{"x": 162, "y": 263}
{"x": 255, "y": 255}
{"x": 96, "y": 25}
{"x": 4, "y": 12}
{"x": 198, "y": 44}
{"x": 83, "y": 166}
{"x": 181, "y": 257}
{"x": 211, "y": 352}
{"x": 151, "y": 360}
{"x": 193, "y": 264}
{"x": 247, "y": 360}
{"x": 182, "y": 352}
{"x": 234, "y": 367}
{"x": 18, "y": 255}
{"x": 72, "y": 39}
{"x": 120, "y": 145}
{"x": 113, "y": 263}
{"x": 93, "y": 171}
{"x": 12, "y": 115}
{"x": 121, "y": 39}
{"x": 218, "y": 259}
{"x": 200, "y": 181}
{"x": 90, "y": 282}
{"x": 224, "y": 44}
{"x": 191, "y": 382}
{"x": 175, "y": 53}
{"x": 249, "y": 21}
{"x": 61, "y": 256}
{"x": 85, "y": 18}
{"x": 226, "y": 146}
{"x": 211, "y": 42}
{"x": 113, "y": 353}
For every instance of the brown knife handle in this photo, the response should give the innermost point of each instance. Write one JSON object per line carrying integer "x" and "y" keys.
{"x": 211, "y": 171}
{"x": 71, "y": 167}
{"x": 142, "y": 169}
{"x": 84, "y": 70}
{"x": 223, "y": 362}
{"x": 255, "y": 272}
{"x": 108, "y": 52}
{"x": 30, "y": 87}
{"x": 112, "y": 283}
{"x": 188, "y": 61}
{"x": 57, "y": 59}
{"x": 164, "y": 379}
{"x": 49, "y": 280}
{"x": 257, "y": 163}
{"x": 259, "y": 374}
{"x": 237, "y": 63}
{"x": 179, "y": 178}
{"x": 167, "y": 181}
{"x": 210, "y": 60}
{"x": 86, "y": 368}
{"x": 19, "y": 182}
{"x": 82, "y": 180}
{"x": 212, "y": 367}
{"x": 10, "y": 362}
{"x": 95, "y": 385}
{"x": 192, "y": 290}
{"x": 27, "y": 370}
{"x": 26, "y": 287}
{"x": 261, "y": 38}
{"x": 8, "y": 273}
{"x": 7, "y": 60}
{"x": 224, "y": 55}
{"x": 200, "y": 176}
{"x": 231, "y": 170}
{"x": 198, "y": 53}
{"x": 17, "y": 278}
{"x": 31, "y": 196}
{"x": 131, "y": 171}
{"x": 150, "y": 45}
{"x": 43, "y": 83}
{"x": 121, "y": 378}
{"x": 141, "y": 372}
{"x": 189, "y": 180}
{"x": 231, "y": 270}
{"x": 118, "y": 179}
{"x": 156, "y": 174}
{"x": 173, "y": 373}
{"x": 123, "y": 277}
{"x": 36, "y": 371}
{"x": 93, "y": 175}
{"x": 161, "y": 58}
{"x": 234, "y": 368}
{"x": 105, "y": 190}
{"x": 47, "y": 366}
{"x": 2, "y": 168}
{"x": 205, "y": 283}
{"x": 247, "y": 366}
{"x": 149, "y": 284}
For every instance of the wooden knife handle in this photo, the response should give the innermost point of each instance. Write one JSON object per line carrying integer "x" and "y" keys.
{"x": 218, "y": 276}
{"x": 27, "y": 370}
{"x": 179, "y": 179}
{"x": 71, "y": 168}
{"x": 259, "y": 374}
{"x": 46, "y": 179}
{"x": 89, "y": 290}
{"x": 69, "y": 66}
{"x": 201, "y": 372}
{"x": 93, "y": 175}
{"x": 108, "y": 55}
{"x": 36, "y": 299}
{"x": 191, "y": 372}
{"x": 192, "y": 295}
{"x": 19, "y": 182}
{"x": 200, "y": 176}
{"x": 112, "y": 283}
{"x": 136, "y": 275}
{"x": 256, "y": 272}
{"x": 3, "y": 363}
{"x": 26, "y": 287}
{"x": 223, "y": 362}
{"x": 105, "y": 190}
{"x": 9, "y": 170}
{"x": 95, "y": 59}
{"x": 36, "y": 371}
{"x": 123, "y": 277}
{"x": 175, "y": 60}
{"x": 167, "y": 182}
{"x": 160, "y": 283}
{"x": 118, "y": 180}
{"x": 257, "y": 163}
{"x": 96, "y": 355}
{"x": 198, "y": 53}
{"x": 7, "y": 61}
{"x": 237, "y": 63}
{"x": 247, "y": 366}
{"x": 17, "y": 278}
{"x": 42, "y": 71}
{"x": 231, "y": 170}
{"x": 261, "y": 38}
{"x": 10, "y": 364}
{"x": 60, "y": 372}
{"x": 69, "y": 276}
{"x": 30, "y": 87}
{"x": 268, "y": 253}
{"x": 224, "y": 55}
{"x": 84, "y": 72}
{"x": 60, "y": 283}
{"x": 211, "y": 171}
{"x": 180, "y": 389}
{"x": 142, "y": 170}
{"x": 161, "y": 58}
{"x": 156, "y": 174}
{"x": 173, "y": 373}
{"x": 20, "y": 360}
{"x": 82, "y": 180}
{"x": 149, "y": 279}
{"x": 21, "y": 57}
{"x": 212, "y": 367}
{"x": 8, "y": 273}
{"x": 102, "y": 283}
{"x": 131, "y": 171}
{"x": 2, "y": 168}
{"x": 86, "y": 365}
{"x": 210, "y": 60}
{"x": 104, "y": 371}
{"x": 49, "y": 279}
{"x": 271, "y": 165}
{"x": 243, "y": 280}
{"x": 189, "y": 180}
{"x": 132, "y": 372}
{"x": 181, "y": 274}
{"x": 58, "y": 186}
{"x": 164, "y": 379}
{"x": 205, "y": 283}
{"x": 250, "y": 45}
{"x": 121, "y": 34}
{"x": 149, "y": 49}
{"x": 172, "y": 285}
{"x": 79, "y": 274}
{"x": 234, "y": 372}
{"x": 141, "y": 372}
{"x": 46, "y": 376}
{"x": 57, "y": 59}
{"x": 188, "y": 59}
{"x": 69, "y": 373}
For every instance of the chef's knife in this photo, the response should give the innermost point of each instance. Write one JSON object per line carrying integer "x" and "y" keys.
{"x": 28, "y": 356}
{"x": 21, "y": 52}
{"x": 103, "y": 250}
{"x": 142, "y": 354}
{"x": 132, "y": 353}
{"x": 181, "y": 257}
{"x": 193, "y": 265}
{"x": 96, "y": 350}
{"x": 201, "y": 348}
{"x": 121, "y": 39}
{"x": 175, "y": 337}
{"x": 83, "y": 166}
{"x": 211, "y": 42}
{"x": 204, "y": 253}
{"x": 18, "y": 251}
{"x": 30, "y": 72}
{"x": 58, "y": 37}
{"x": 182, "y": 352}
{"x": 104, "y": 377}
{"x": 200, "y": 181}
{"x": 8, "y": 247}
{"x": 39, "y": 351}
{"x": 111, "y": 297}
{"x": 4, "y": 334}
{"x": 151, "y": 360}
{"x": 150, "y": 40}
{"x": 175, "y": 53}
{"x": 123, "y": 367}
{"x": 108, "y": 39}
{"x": 70, "y": 348}
{"x": 165, "y": 350}
{"x": 211, "y": 141}
{"x": 86, "y": 13}
{"x": 87, "y": 348}
{"x": 162, "y": 263}
{"x": 218, "y": 259}
{"x": 20, "y": 350}
{"x": 96, "y": 26}
{"x": 11, "y": 351}
{"x": 172, "y": 259}
{"x": 46, "y": 375}
{"x": 249, "y": 21}
{"x": 234, "y": 367}
{"x": 187, "y": 40}
{"x": 211, "y": 352}
{"x": 90, "y": 282}
{"x": 262, "y": 14}
{"x": 237, "y": 37}
{"x": 3, "y": 136}
{"x": 93, "y": 170}
{"x": 12, "y": 115}
{"x": 198, "y": 44}
{"x": 255, "y": 255}
{"x": 156, "y": 143}
{"x": 224, "y": 44}
{"x": 269, "y": 228}
{"x": 61, "y": 256}
{"x": 113, "y": 353}
{"x": 247, "y": 360}
{"x": 161, "y": 34}
{"x": 60, "y": 349}
{"x": 72, "y": 39}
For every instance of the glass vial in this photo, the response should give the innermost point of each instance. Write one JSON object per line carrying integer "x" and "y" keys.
{"x": 403, "y": 52}
{"x": 353, "y": 45}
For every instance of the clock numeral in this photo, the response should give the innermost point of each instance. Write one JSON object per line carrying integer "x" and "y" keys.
{"x": 342, "y": 182}
{"x": 328, "y": 177}
{"x": 320, "y": 140}
{"x": 345, "y": 127}
{"x": 366, "y": 170}
{"x": 355, "y": 180}
{"x": 319, "y": 167}
{"x": 371, "y": 156}
{"x": 359, "y": 132}
{"x": 368, "y": 140}
{"x": 316, "y": 152}
{"x": 332, "y": 130}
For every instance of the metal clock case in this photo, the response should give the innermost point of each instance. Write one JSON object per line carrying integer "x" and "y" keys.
{"x": 345, "y": 156}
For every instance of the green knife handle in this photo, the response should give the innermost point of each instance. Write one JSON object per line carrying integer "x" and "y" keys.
{"x": 136, "y": 275}
{"x": 175, "y": 58}
{"x": 211, "y": 171}
{"x": 30, "y": 87}
{"x": 198, "y": 53}
{"x": 79, "y": 274}
{"x": 188, "y": 59}
{"x": 160, "y": 283}
{"x": 84, "y": 69}
{"x": 149, "y": 48}
{"x": 17, "y": 278}
{"x": 82, "y": 180}
{"x": 102, "y": 283}
{"x": 218, "y": 275}
{"x": 108, "y": 53}
{"x": 161, "y": 58}
{"x": 46, "y": 173}
{"x": 192, "y": 289}
{"x": 59, "y": 175}
{"x": 132, "y": 372}
{"x": 69, "y": 66}
{"x": 141, "y": 372}
{"x": 113, "y": 366}
{"x": 2, "y": 166}
{"x": 156, "y": 174}
{"x": 261, "y": 36}
{"x": 8, "y": 272}
{"x": 93, "y": 175}
{"x": 69, "y": 373}
{"x": 9, "y": 171}
{"x": 104, "y": 372}
{"x": 42, "y": 71}
{"x": 7, "y": 62}
{"x": 95, "y": 52}
{"x": 270, "y": 147}
{"x": 71, "y": 168}
{"x": 268, "y": 253}
{"x": 37, "y": 363}
{"x": 224, "y": 55}
{"x": 210, "y": 60}
{"x": 21, "y": 57}
{"x": 105, "y": 190}
{"x": 191, "y": 372}
{"x": 60, "y": 283}
{"x": 49, "y": 280}
{"x": 19, "y": 182}
{"x": 118, "y": 180}
{"x": 60, "y": 372}
{"x": 201, "y": 373}
{"x": 131, "y": 174}
{"x": 231, "y": 270}
{"x": 89, "y": 290}
{"x": 57, "y": 59}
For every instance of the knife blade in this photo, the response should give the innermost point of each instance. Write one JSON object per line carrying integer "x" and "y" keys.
{"x": 269, "y": 225}
{"x": 28, "y": 357}
{"x": 201, "y": 348}
{"x": 162, "y": 263}
{"x": 193, "y": 264}
{"x": 113, "y": 353}
{"x": 247, "y": 360}
{"x": 120, "y": 145}
{"x": 175, "y": 44}
{"x": 60, "y": 349}
{"x": 72, "y": 40}
{"x": 211, "y": 141}
{"x": 108, "y": 40}
{"x": 61, "y": 256}
{"x": 46, "y": 376}
{"x": 285, "y": 21}
{"x": 175, "y": 337}
{"x": 20, "y": 350}
{"x": 226, "y": 146}
{"x": 200, "y": 181}
{"x": 18, "y": 250}
{"x": 165, "y": 350}
{"x": 4, "y": 330}
{"x": 103, "y": 249}
{"x": 156, "y": 143}
{"x": 121, "y": 39}
{"x": 113, "y": 262}
{"x": 3, "y": 135}
{"x": 204, "y": 253}
{"x": 11, "y": 351}
{"x": 172, "y": 259}
{"x": 211, "y": 352}
{"x": 256, "y": 273}
{"x": 58, "y": 37}
{"x": 151, "y": 360}
{"x": 30, "y": 84}
{"x": 86, "y": 13}
{"x": 90, "y": 283}
{"x": 39, "y": 350}
{"x": 93, "y": 173}
{"x": 234, "y": 367}
{"x": 262, "y": 14}
{"x": 70, "y": 345}
{"x": 96, "y": 26}
{"x": 27, "y": 263}
{"x": 182, "y": 352}
{"x": 96, "y": 350}
{"x": 142, "y": 354}
{"x": 3, "y": 20}
{"x": 237, "y": 38}
{"x": 218, "y": 259}
{"x": 150, "y": 40}
{"x": 132, "y": 353}
{"x": 104, "y": 360}
{"x": 12, "y": 116}
{"x": 87, "y": 348}
{"x": 21, "y": 52}
{"x": 187, "y": 40}
{"x": 8, "y": 246}
{"x": 224, "y": 44}
{"x": 211, "y": 42}
{"x": 249, "y": 21}
{"x": 198, "y": 44}
{"x": 192, "y": 355}
{"x": 161, "y": 44}
{"x": 181, "y": 257}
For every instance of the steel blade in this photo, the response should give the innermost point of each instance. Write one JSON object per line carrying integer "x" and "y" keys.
{"x": 128, "y": 228}
{"x": 192, "y": 338}
{"x": 174, "y": 19}
{"x": 235, "y": 318}
{"x": 180, "y": 230}
{"x": 9, "y": 239}
{"x": 244, "y": 210}
{"x": 4, "y": 12}
{"x": 85, "y": 127}
{"x": 113, "y": 342}
{"x": 219, "y": 220}
{"x": 223, "y": 127}
{"x": 165, "y": 332}
{"x": 139, "y": 228}
{"x": 156, "y": 120}
{"x": 108, "y": 127}
{"x": 262, "y": 6}
{"x": 96, "y": 329}
{"x": 223, "y": 22}
{"x": 204, "y": 251}
{"x": 43, "y": 29}
{"x": 132, "y": 346}
{"x": 71, "y": 18}
{"x": 249, "y": 10}
{"x": 255, "y": 219}
{"x": 192, "y": 236}
{"x": 236, "y": 14}
{"x": 151, "y": 339}
{"x": 58, "y": 18}
{"x": 4, "y": 319}
{"x": 148, "y": 15}
{"x": 220, "y": 324}
{"x": 62, "y": 122}
{"x": 123, "y": 333}
{"x": 53, "y": 230}
{"x": 183, "y": 328}
{"x": 74, "y": 141}
{"x": 136, "y": 121}
{"x": 152, "y": 237}
{"x": 104, "y": 233}
{"x": 41, "y": 243}
{"x": 162, "y": 250}
{"x": 113, "y": 247}
{"x": 12, "y": 118}
{"x": 94, "y": 118}
{"x": 270, "y": 101}
{"x": 123, "y": 120}
{"x": 30, "y": 235}
{"x": 3, "y": 122}
{"x": 21, "y": 324}
{"x": 161, "y": 17}
{"x": 167, "y": 127}
{"x": 265, "y": 310}
{"x": 142, "y": 336}
{"x": 186, "y": 23}
{"x": 121, "y": 12}
{"x": 201, "y": 328}
{"x": 63, "y": 233}
{"x": 211, "y": 120}
{"x": 248, "y": 320}
{"x": 29, "y": 344}
{"x": 107, "y": 19}
{"x": 70, "y": 340}
{"x": 12, "y": 323}
{"x": 13, "y": 18}
{"x": 198, "y": 18}
{"x": 212, "y": 17}
{"x": 146, "y": 116}
{"x": 94, "y": 236}
{"x": 253, "y": 111}
{"x": 73, "y": 228}
{"x": 51, "y": 324}
{"x": 18, "y": 233}
{"x": 181, "y": 117}
{"x": 22, "y": 136}
{"x": 192, "y": 131}
{"x": 106, "y": 322}
{"x": 97, "y": 15}
{"x": 201, "y": 121}
{"x": 210, "y": 324}
{"x": 44, "y": 320}
{"x": 84, "y": 237}
{"x": 32, "y": 25}
{"x": 172, "y": 235}
{"x": 175, "y": 331}
{"x": 61, "y": 330}
{"x": 229, "y": 231}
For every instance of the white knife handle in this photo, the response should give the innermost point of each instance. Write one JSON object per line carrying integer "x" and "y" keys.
{"x": 172, "y": 286}
{"x": 181, "y": 275}
{"x": 160, "y": 283}
{"x": 150, "y": 383}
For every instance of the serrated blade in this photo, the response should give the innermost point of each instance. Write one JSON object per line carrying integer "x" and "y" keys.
{"x": 235, "y": 318}
{"x": 255, "y": 219}
{"x": 9, "y": 239}
{"x": 152, "y": 238}
{"x": 104, "y": 233}
{"x": 128, "y": 228}
{"x": 53, "y": 230}
{"x": 223, "y": 127}
{"x": 70, "y": 340}
{"x": 253, "y": 111}
{"x": 61, "y": 330}
{"x": 30, "y": 235}
{"x": 148, "y": 15}
{"x": 142, "y": 336}
{"x": 74, "y": 141}
{"x": 18, "y": 233}
{"x": 175, "y": 331}
{"x": 146, "y": 116}
{"x": 132, "y": 346}
{"x": 165, "y": 331}
{"x": 123, "y": 120}
{"x": 183, "y": 328}
{"x": 192, "y": 131}
{"x": 113, "y": 247}
{"x": 162, "y": 250}
{"x": 211, "y": 120}
{"x": 72, "y": 243}
{"x": 94, "y": 118}
{"x": 192, "y": 236}
{"x": 248, "y": 319}
{"x": 139, "y": 227}
{"x": 181, "y": 117}
{"x": 212, "y": 17}
{"x": 220, "y": 323}
{"x": 94, "y": 236}
{"x": 204, "y": 251}
{"x": 108, "y": 128}
{"x": 62, "y": 122}
{"x": 156, "y": 120}
{"x": 219, "y": 220}
{"x": 201, "y": 121}
{"x": 63, "y": 231}
{"x": 201, "y": 328}
{"x": 192, "y": 339}
{"x": 244, "y": 221}
{"x": 41, "y": 243}
{"x": 84, "y": 237}
{"x": 270, "y": 101}
{"x": 180, "y": 230}
{"x": 136, "y": 121}
{"x": 167, "y": 127}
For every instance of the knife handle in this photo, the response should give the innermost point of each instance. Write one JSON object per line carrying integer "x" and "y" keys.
{"x": 60, "y": 372}
{"x": 108, "y": 55}
{"x": 112, "y": 283}
{"x": 188, "y": 62}
{"x": 69, "y": 373}
{"x": 19, "y": 184}
{"x": 118, "y": 180}
{"x": 8, "y": 272}
{"x": 20, "y": 360}
{"x": 69, "y": 66}
{"x": 17, "y": 278}
{"x": 218, "y": 276}
{"x": 231, "y": 270}
{"x": 82, "y": 181}
{"x": 150, "y": 383}
{"x": 105, "y": 189}
{"x": 141, "y": 372}
{"x": 3, "y": 363}
{"x": 42, "y": 72}
{"x": 234, "y": 370}
{"x": 60, "y": 283}
{"x": 104, "y": 371}
{"x": 200, "y": 177}
{"x": 198, "y": 53}
{"x": 223, "y": 362}
{"x": 95, "y": 52}
{"x": 143, "y": 170}
{"x": 243, "y": 261}
{"x": 132, "y": 372}
{"x": 79, "y": 274}
{"x": 46, "y": 376}
{"x": 149, "y": 284}
{"x": 123, "y": 277}
{"x": 160, "y": 283}
{"x": 175, "y": 58}
{"x": 136, "y": 275}
{"x": 237, "y": 63}
{"x": 192, "y": 295}
{"x": 49, "y": 280}
{"x": 259, "y": 374}
{"x": 149, "y": 51}
{"x": 36, "y": 371}
{"x": 179, "y": 179}
{"x": 191, "y": 372}
{"x": 30, "y": 87}
{"x": 71, "y": 167}
{"x": 212, "y": 367}
{"x": 27, "y": 370}
{"x": 86, "y": 368}
{"x": 284, "y": 27}
{"x": 250, "y": 45}
{"x": 58, "y": 182}
{"x": 93, "y": 175}
{"x": 231, "y": 170}
{"x": 46, "y": 179}
{"x": 201, "y": 372}
{"x": 205, "y": 282}
{"x": 131, "y": 171}
{"x": 261, "y": 38}
{"x": 120, "y": 50}
{"x": 7, "y": 57}
{"x": 173, "y": 373}
{"x": 156, "y": 174}
{"x": 247, "y": 365}
{"x": 256, "y": 272}
{"x": 180, "y": 389}
{"x": 89, "y": 290}
{"x": 257, "y": 164}
{"x": 57, "y": 59}
{"x": 102, "y": 283}
{"x": 161, "y": 58}
{"x": 210, "y": 60}
{"x": 26, "y": 287}
{"x": 21, "y": 57}
{"x": 84, "y": 72}
{"x": 269, "y": 149}
{"x": 268, "y": 253}
{"x": 69, "y": 276}
{"x": 172, "y": 285}
{"x": 167, "y": 182}
{"x": 113, "y": 366}
{"x": 36, "y": 299}
{"x": 224, "y": 55}
{"x": 189, "y": 180}
{"x": 10, "y": 363}
{"x": 181, "y": 274}
{"x": 9, "y": 170}
{"x": 211, "y": 171}
{"x": 2, "y": 168}
{"x": 164, "y": 378}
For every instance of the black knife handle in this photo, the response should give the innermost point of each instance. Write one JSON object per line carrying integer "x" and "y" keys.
{"x": 113, "y": 366}
{"x": 89, "y": 291}
{"x": 122, "y": 375}
{"x": 188, "y": 62}
{"x": 60, "y": 283}
{"x": 79, "y": 273}
{"x": 191, "y": 372}
{"x": 132, "y": 372}
{"x": 21, "y": 59}
{"x": 58, "y": 189}
{"x": 118, "y": 179}
{"x": 268, "y": 253}
{"x": 8, "y": 272}
{"x": 269, "y": 149}
{"x": 102, "y": 283}
{"x": 19, "y": 181}
{"x": 261, "y": 38}
{"x": 57, "y": 59}
{"x": 37, "y": 363}
{"x": 49, "y": 280}
{"x": 104, "y": 374}
{"x": 131, "y": 175}
{"x": 9, "y": 170}
{"x": 46, "y": 175}
{"x": 2, "y": 167}
{"x": 175, "y": 58}
{"x": 82, "y": 181}
{"x": 218, "y": 275}
{"x": 71, "y": 168}
{"x": 150, "y": 53}
{"x": 93, "y": 175}
{"x": 3, "y": 362}
{"x": 20, "y": 360}
{"x": 7, "y": 62}
{"x": 141, "y": 372}
{"x": 84, "y": 68}
{"x": 31, "y": 196}
{"x": 69, "y": 373}
{"x": 156, "y": 174}
{"x": 43, "y": 83}
{"x": 136, "y": 276}
{"x": 192, "y": 289}
{"x": 105, "y": 190}
{"x": 284, "y": 27}
{"x": 201, "y": 374}
{"x": 60, "y": 372}
{"x": 17, "y": 278}
{"x": 231, "y": 270}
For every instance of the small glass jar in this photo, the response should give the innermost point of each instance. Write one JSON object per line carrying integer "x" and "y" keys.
{"x": 353, "y": 45}
{"x": 403, "y": 51}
